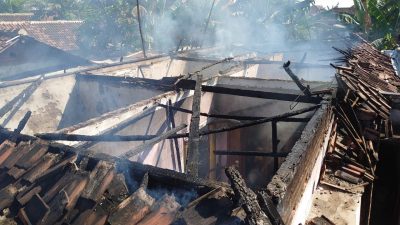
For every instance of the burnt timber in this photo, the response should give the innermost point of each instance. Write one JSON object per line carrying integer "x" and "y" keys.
{"x": 190, "y": 85}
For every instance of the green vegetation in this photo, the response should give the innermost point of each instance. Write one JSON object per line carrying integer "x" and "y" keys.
{"x": 112, "y": 26}
{"x": 379, "y": 20}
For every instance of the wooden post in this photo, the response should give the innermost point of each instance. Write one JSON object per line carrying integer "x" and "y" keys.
{"x": 213, "y": 161}
{"x": 194, "y": 131}
{"x": 275, "y": 144}
{"x": 171, "y": 119}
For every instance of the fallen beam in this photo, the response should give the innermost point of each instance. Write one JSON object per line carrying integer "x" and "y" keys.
{"x": 247, "y": 199}
{"x": 152, "y": 142}
{"x": 190, "y": 85}
{"x": 251, "y": 153}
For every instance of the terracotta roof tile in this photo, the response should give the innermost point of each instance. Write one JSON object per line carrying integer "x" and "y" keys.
{"x": 15, "y": 16}
{"x": 7, "y": 39}
{"x": 59, "y": 34}
{"x": 55, "y": 184}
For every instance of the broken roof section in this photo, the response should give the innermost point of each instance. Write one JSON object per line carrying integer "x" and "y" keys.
{"x": 57, "y": 184}
{"x": 59, "y": 33}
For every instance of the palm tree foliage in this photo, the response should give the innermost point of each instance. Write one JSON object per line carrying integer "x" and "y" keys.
{"x": 378, "y": 19}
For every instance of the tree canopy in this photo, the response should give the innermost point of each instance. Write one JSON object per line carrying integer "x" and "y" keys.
{"x": 112, "y": 25}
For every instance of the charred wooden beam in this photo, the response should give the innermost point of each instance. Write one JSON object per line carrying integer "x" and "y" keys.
{"x": 254, "y": 61}
{"x": 163, "y": 212}
{"x": 187, "y": 76}
{"x": 152, "y": 142}
{"x": 170, "y": 115}
{"x": 190, "y": 85}
{"x": 269, "y": 208}
{"x": 265, "y": 120}
{"x": 221, "y": 116}
{"x": 251, "y": 153}
{"x": 275, "y": 142}
{"x": 247, "y": 198}
{"x": 105, "y": 138}
{"x": 304, "y": 89}
{"x": 23, "y": 122}
{"x": 194, "y": 131}
{"x": 112, "y": 138}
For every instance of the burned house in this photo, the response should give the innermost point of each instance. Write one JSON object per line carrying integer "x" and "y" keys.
{"x": 30, "y": 48}
{"x": 188, "y": 139}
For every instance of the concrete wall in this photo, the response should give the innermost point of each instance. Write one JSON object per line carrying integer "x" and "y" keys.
{"x": 65, "y": 101}
{"x": 93, "y": 97}
{"x": 294, "y": 183}
{"x": 47, "y": 104}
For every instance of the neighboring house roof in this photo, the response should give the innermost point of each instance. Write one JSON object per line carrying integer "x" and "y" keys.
{"x": 60, "y": 33}
{"x": 349, "y": 10}
{"x": 7, "y": 39}
{"x": 15, "y": 16}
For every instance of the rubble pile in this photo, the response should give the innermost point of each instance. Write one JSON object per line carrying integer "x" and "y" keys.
{"x": 361, "y": 114}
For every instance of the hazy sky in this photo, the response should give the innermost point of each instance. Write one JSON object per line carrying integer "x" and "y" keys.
{"x": 330, "y": 3}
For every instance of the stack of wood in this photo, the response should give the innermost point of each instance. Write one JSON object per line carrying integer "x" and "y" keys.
{"x": 362, "y": 116}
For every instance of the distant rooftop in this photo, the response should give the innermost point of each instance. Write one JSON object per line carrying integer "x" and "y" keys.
{"x": 59, "y": 33}
{"x": 16, "y": 16}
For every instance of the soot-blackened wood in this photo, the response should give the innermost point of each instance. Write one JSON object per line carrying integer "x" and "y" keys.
{"x": 163, "y": 213}
{"x": 150, "y": 143}
{"x": 275, "y": 142}
{"x": 190, "y": 85}
{"x": 7, "y": 195}
{"x": 269, "y": 208}
{"x": 35, "y": 211}
{"x": 118, "y": 189}
{"x": 111, "y": 138}
{"x": 247, "y": 198}
{"x": 134, "y": 208}
{"x": 90, "y": 217}
{"x": 251, "y": 153}
{"x": 194, "y": 131}
{"x": 23, "y": 122}
{"x": 221, "y": 116}
{"x": 304, "y": 89}
{"x": 265, "y": 120}
{"x": 32, "y": 157}
{"x": 100, "y": 179}
{"x": 171, "y": 119}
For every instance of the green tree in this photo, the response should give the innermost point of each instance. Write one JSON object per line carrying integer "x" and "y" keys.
{"x": 11, "y": 6}
{"x": 379, "y": 20}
